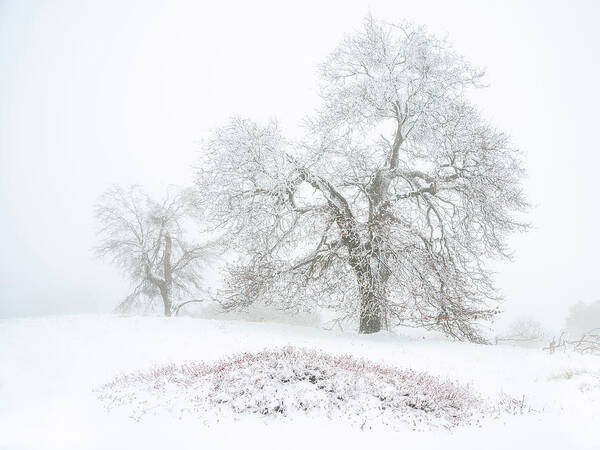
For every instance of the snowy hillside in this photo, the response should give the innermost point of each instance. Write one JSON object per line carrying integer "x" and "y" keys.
{"x": 51, "y": 367}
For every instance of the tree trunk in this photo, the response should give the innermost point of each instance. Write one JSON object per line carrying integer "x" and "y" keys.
{"x": 370, "y": 314}
{"x": 375, "y": 271}
{"x": 372, "y": 278}
{"x": 165, "y": 292}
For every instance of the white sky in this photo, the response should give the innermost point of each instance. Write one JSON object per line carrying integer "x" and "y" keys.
{"x": 93, "y": 93}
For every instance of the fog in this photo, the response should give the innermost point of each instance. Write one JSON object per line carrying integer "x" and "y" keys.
{"x": 94, "y": 93}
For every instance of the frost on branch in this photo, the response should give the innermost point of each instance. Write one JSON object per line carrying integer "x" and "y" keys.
{"x": 389, "y": 206}
{"x": 286, "y": 382}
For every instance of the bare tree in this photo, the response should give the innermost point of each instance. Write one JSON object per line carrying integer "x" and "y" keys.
{"x": 146, "y": 239}
{"x": 389, "y": 206}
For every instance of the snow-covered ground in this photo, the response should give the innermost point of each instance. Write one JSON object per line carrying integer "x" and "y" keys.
{"x": 49, "y": 368}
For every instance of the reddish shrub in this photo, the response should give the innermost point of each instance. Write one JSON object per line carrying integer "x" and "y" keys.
{"x": 288, "y": 381}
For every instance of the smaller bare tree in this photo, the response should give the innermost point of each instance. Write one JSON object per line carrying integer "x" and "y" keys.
{"x": 146, "y": 239}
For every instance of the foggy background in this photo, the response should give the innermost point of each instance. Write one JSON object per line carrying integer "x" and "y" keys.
{"x": 94, "y": 93}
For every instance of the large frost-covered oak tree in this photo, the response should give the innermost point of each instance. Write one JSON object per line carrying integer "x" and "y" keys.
{"x": 146, "y": 239}
{"x": 390, "y": 205}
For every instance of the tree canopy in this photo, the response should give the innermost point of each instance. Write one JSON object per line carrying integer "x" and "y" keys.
{"x": 389, "y": 207}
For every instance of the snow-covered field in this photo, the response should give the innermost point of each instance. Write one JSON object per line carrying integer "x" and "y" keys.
{"x": 50, "y": 367}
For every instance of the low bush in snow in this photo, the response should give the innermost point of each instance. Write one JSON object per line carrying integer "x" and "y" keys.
{"x": 289, "y": 381}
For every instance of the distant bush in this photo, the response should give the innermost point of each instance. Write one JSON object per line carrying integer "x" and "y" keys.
{"x": 289, "y": 381}
{"x": 524, "y": 331}
{"x": 582, "y": 318}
